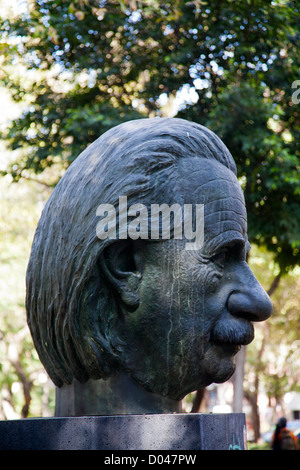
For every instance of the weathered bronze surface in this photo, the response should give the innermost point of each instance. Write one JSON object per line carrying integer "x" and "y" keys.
{"x": 167, "y": 318}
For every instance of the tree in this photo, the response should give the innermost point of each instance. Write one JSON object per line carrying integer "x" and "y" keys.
{"x": 90, "y": 65}
{"x": 272, "y": 364}
{"x": 25, "y": 389}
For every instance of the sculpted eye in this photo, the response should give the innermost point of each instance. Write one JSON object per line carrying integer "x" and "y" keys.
{"x": 235, "y": 251}
{"x": 220, "y": 258}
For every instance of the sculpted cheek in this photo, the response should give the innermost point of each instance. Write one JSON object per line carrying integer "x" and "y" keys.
{"x": 212, "y": 278}
{"x": 207, "y": 275}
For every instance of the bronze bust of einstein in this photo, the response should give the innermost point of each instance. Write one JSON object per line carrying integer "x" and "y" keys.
{"x": 127, "y": 324}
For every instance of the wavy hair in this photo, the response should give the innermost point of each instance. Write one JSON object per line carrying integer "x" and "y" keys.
{"x": 68, "y": 302}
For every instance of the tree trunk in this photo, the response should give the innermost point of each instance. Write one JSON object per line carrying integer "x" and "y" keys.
{"x": 252, "y": 398}
{"x": 27, "y": 386}
{"x": 13, "y": 354}
{"x": 237, "y": 380}
{"x": 238, "y": 376}
{"x": 198, "y": 400}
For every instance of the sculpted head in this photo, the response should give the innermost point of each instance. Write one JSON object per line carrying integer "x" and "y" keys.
{"x": 171, "y": 318}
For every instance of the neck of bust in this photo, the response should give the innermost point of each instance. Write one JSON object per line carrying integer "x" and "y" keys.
{"x": 117, "y": 395}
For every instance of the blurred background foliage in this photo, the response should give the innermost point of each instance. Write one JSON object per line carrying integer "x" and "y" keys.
{"x": 76, "y": 69}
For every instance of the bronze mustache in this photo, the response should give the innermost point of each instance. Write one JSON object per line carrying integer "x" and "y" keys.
{"x": 232, "y": 330}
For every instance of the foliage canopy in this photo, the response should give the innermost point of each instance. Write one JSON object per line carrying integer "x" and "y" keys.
{"x": 86, "y": 66}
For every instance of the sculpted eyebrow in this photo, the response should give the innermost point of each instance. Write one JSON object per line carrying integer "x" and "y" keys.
{"x": 234, "y": 242}
{"x": 237, "y": 244}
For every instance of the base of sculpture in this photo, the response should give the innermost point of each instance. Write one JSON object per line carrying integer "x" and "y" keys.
{"x": 127, "y": 432}
{"x": 117, "y": 395}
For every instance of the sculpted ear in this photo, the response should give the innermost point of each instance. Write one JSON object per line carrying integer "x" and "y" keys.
{"x": 121, "y": 266}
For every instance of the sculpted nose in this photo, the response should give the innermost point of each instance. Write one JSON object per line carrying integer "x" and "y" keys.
{"x": 250, "y": 301}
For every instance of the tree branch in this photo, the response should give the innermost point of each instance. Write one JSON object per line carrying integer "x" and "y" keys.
{"x": 197, "y": 400}
{"x": 274, "y": 284}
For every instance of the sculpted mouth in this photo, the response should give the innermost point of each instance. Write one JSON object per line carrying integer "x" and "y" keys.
{"x": 232, "y": 333}
{"x": 226, "y": 347}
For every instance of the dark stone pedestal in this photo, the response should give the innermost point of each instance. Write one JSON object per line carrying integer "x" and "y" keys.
{"x": 127, "y": 432}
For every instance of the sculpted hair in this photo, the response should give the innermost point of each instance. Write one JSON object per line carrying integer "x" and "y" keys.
{"x": 69, "y": 306}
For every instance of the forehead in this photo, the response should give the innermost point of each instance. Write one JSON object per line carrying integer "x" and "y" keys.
{"x": 210, "y": 183}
